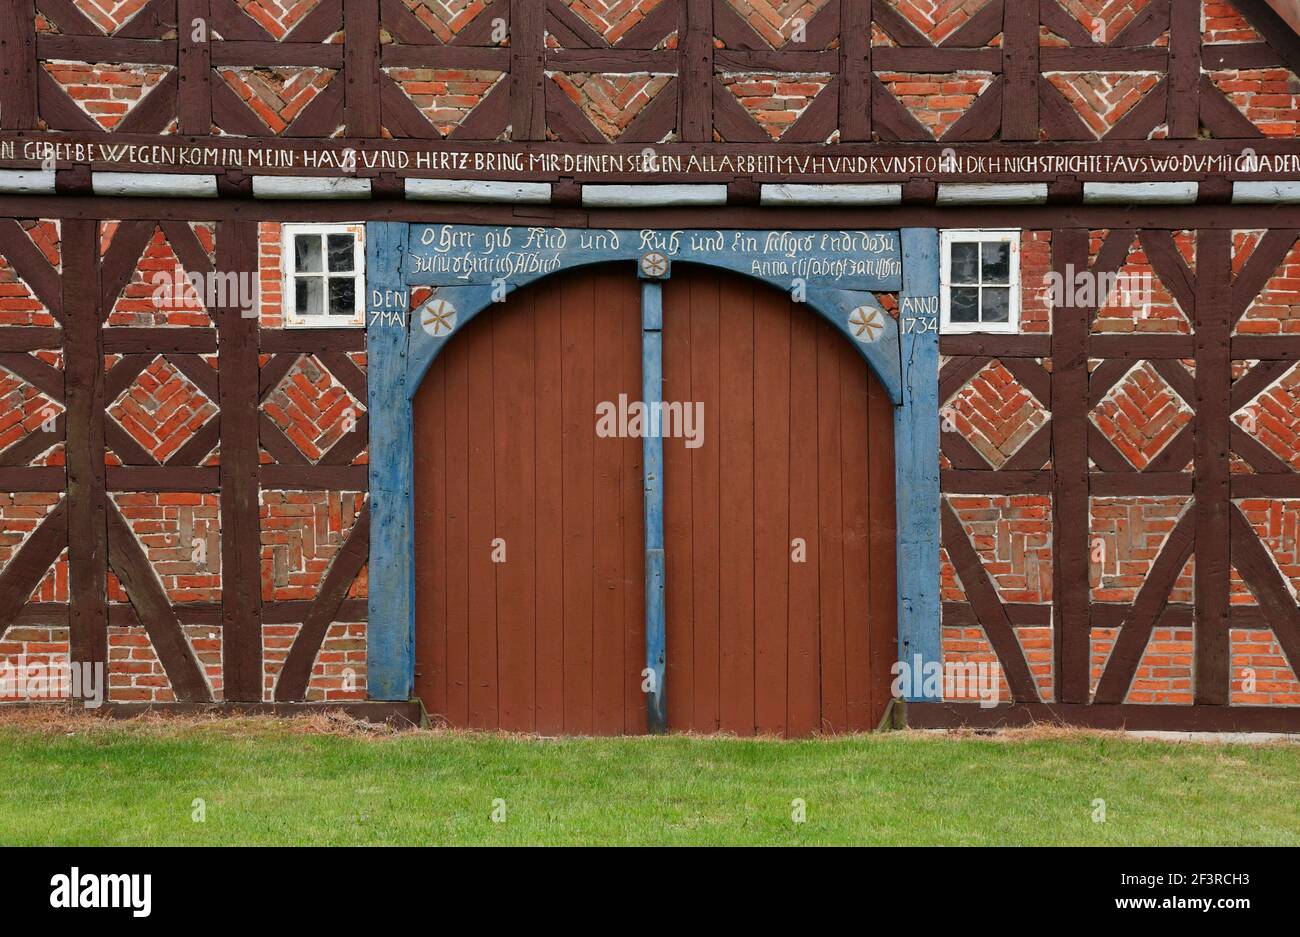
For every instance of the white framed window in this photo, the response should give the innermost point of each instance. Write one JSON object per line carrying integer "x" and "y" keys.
{"x": 979, "y": 279}
{"x": 324, "y": 275}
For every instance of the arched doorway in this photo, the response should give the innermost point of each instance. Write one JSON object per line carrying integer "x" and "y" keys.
{"x": 779, "y": 524}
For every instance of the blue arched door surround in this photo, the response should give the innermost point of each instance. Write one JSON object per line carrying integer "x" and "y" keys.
{"x": 469, "y": 268}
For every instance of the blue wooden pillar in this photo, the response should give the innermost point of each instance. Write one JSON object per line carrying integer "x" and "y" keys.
{"x": 390, "y": 644}
{"x": 916, "y": 464}
{"x": 652, "y": 386}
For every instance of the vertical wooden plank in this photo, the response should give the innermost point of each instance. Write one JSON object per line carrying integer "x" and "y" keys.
{"x": 613, "y": 316}
{"x": 241, "y": 610}
{"x": 803, "y": 664}
{"x": 882, "y": 628}
{"x": 513, "y": 427}
{"x": 18, "y": 65}
{"x": 860, "y": 585}
{"x": 1213, "y": 328}
{"x": 705, "y": 500}
{"x": 83, "y": 398}
{"x": 1070, "y": 482}
{"x": 549, "y": 596}
{"x": 855, "y": 71}
{"x": 634, "y": 702}
{"x": 577, "y": 325}
{"x": 361, "y": 69}
{"x": 390, "y": 640}
{"x": 652, "y": 392}
{"x": 455, "y": 363}
{"x": 695, "y": 72}
{"x": 772, "y": 481}
{"x": 736, "y": 522}
{"x": 194, "y": 67}
{"x": 430, "y": 509}
{"x": 484, "y": 623}
{"x": 1020, "y": 70}
{"x": 830, "y": 552}
{"x": 527, "y": 76}
{"x": 916, "y": 463}
{"x": 1183, "y": 102}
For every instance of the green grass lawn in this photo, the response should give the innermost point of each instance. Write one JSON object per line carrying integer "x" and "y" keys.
{"x": 263, "y": 781}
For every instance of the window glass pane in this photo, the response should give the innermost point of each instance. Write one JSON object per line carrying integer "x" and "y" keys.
{"x": 964, "y": 304}
{"x": 997, "y": 304}
{"x": 343, "y": 296}
{"x": 306, "y": 253}
{"x": 965, "y": 262}
{"x": 996, "y": 260}
{"x": 340, "y": 253}
{"x": 309, "y": 296}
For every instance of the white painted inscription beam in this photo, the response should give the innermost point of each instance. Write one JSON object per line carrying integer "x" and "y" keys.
{"x": 310, "y": 187}
{"x": 470, "y": 190}
{"x": 154, "y": 184}
{"x": 652, "y": 196}
{"x": 831, "y": 194}
{"x": 1148, "y": 193}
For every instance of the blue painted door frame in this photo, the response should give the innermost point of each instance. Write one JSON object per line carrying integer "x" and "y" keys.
{"x": 470, "y": 268}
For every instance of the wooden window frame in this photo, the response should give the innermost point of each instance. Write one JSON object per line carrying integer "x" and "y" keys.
{"x": 949, "y": 236}
{"x": 288, "y": 274}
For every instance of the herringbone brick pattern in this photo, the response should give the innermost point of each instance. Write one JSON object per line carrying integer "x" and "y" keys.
{"x": 25, "y": 410}
{"x": 777, "y": 21}
{"x": 312, "y": 408}
{"x": 1141, "y": 414}
{"x": 277, "y": 94}
{"x": 1138, "y": 301}
{"x": 1104, "y": 20}
{"x": 995, "y": 413}
{"x": 938, "y": 19}
{"x": 1273, "y": 418}
{"x": 162, "y": 409}
{"x": 611, "y": 102}
{"x": 611, "y": 19}
{"x": 1102, "y": 98}
{"x": 446, "y": 18}
{"x": 278, "y": 17}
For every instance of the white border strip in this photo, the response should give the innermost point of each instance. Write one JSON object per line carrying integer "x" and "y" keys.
{"x": 888, "y": 193}
{"x": 652, "y": 196}
{"x": 1265, "y": 193}
{"x": 471, "y": 190}
{"x": 154, "y": 184}
{"x": 991, "y": 193}
{"x": 310, "y": 187}
{"x": 1147, "y": 193}
{"x": 27, "y": 181}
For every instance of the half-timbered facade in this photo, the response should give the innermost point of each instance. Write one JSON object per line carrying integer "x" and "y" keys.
{"x": 987, "y": 307}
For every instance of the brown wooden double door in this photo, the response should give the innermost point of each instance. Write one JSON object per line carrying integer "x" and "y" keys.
{"x": 779, "y": 526}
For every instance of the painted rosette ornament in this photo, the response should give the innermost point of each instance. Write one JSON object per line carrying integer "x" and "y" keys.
{"x": 438, "y": 317}
{"x": 866, "y": 323}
